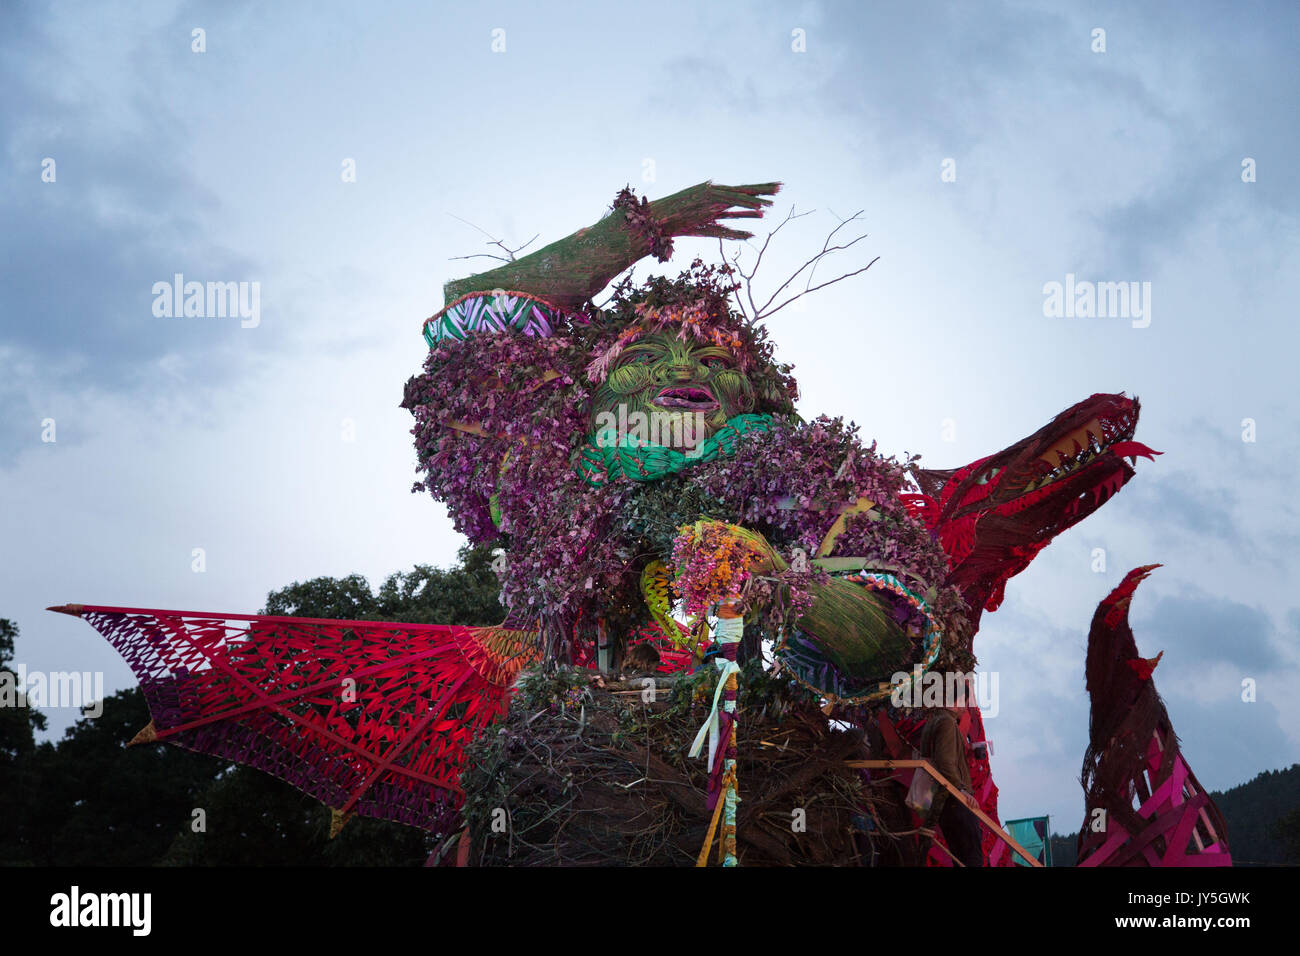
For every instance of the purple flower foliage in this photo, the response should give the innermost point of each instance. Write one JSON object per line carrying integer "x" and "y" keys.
{"x": 573, "y": 551}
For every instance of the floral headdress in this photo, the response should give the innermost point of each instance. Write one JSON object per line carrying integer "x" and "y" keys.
{"x": 698, "y": 320}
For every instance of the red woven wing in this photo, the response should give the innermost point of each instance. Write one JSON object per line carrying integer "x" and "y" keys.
{"x": 367, "y": 717}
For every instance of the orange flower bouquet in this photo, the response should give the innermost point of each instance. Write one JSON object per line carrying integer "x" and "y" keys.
{"x": 715, "y": 562}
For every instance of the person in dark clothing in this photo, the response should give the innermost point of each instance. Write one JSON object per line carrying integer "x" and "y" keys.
{"x": 944, "y": 745}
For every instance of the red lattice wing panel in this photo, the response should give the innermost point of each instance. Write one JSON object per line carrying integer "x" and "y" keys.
{"x": 367, "y": 717}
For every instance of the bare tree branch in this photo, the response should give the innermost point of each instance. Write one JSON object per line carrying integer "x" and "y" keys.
{"x": 827, "y": 249}
{"x": 470, "y": 224}
{"x": 509, "y": 253}
{"x": 769, "y": 307}
{"x": 822, "y": 286}
{"x": 735, "y": 264}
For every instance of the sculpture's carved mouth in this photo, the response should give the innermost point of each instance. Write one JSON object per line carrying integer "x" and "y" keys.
{"x": 1086, "y": 445}
{"x": 688, "y": 398}
{"x": 1080, "y": 454}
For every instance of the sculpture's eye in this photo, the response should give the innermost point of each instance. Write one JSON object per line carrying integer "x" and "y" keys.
{"x": 715, "y": 362}
{"x": 629, "y": 378}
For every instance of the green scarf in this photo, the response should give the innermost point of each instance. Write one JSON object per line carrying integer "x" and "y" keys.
{"x": 599, "y": 461}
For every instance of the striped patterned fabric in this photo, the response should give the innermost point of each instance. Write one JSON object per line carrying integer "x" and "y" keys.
{"x": 493, "y": 311}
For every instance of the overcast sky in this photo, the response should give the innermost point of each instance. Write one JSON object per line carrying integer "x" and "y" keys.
{"x": 227, "y": 165}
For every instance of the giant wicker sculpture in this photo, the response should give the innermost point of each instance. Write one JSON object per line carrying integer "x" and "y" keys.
{"x": 623, "y": 459}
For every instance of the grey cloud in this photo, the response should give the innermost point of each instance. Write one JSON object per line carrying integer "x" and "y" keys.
{"x": 1229, "y": 742}
{"x": 1179, "y": 501}
{"x": 1199, "y": 629}
{"x": 81, "y": 255}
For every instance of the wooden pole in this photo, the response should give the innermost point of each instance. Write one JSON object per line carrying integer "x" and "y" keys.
{"x": 929, "y": 768}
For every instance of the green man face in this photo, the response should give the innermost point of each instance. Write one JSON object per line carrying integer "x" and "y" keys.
{"x": 665, "y": 391}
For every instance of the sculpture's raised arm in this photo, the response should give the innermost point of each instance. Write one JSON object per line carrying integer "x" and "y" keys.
{"x": 568, "y": 272}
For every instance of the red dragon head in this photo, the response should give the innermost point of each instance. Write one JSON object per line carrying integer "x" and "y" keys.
{"x": 994, "y": 515}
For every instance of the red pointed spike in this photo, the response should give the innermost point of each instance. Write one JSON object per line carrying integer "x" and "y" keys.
{"x": 1126, "y": 449}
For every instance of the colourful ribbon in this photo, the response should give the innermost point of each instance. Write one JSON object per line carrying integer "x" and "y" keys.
{"x": 729, "y": 631}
